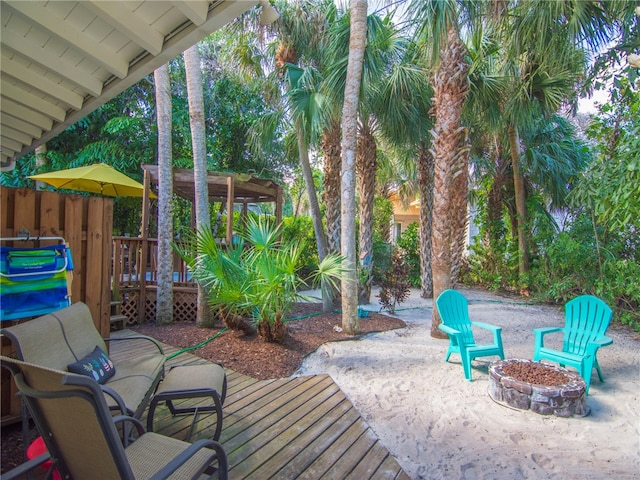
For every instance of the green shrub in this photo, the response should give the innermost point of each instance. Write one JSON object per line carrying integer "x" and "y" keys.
{"x": 381, "y": 258}
{"x": 409, "y": 242}
{"x": 621, "y": 290}
{"x": 300, "y": 229}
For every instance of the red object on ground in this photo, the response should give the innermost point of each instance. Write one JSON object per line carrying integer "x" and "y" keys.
{"x": 36, "y": 449}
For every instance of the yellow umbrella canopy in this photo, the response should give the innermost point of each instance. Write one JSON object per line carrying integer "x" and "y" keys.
{"x": 97, "y": 178}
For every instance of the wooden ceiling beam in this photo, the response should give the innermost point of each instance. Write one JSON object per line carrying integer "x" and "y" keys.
{"x": 194, "y": 10}
{"x": 43, "y": 84}
{"x": 64, "y": 30}
{"x": 59, "y": 66}
{"x": 20, "y": 125}
{"x": 128, "y": 24}
{"x": 32, "y": 101}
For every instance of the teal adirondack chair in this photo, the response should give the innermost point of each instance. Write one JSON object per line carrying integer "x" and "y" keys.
{"x": 586, "y": 321}
{"x": 454, "y": 313}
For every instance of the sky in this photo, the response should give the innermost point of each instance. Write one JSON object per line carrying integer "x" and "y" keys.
{"x": 587, "y": 105}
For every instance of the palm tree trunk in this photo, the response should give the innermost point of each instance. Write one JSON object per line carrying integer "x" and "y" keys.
{"x": 425, "y": 186}
{"x": 196, "y": 118}
{"x": 331, "y": 195}
{"x": 521, "y": 206}
{"x": 330, "y": 145}
{"x": 357, "y": 43}
{"x": 495, "y": 202}
{"x": 314, "y": 206}
{"x": 164, "y": 297}
{"x": 450, "y": 86}
{"x": 459, "y": 209}
{"x": 366, "y": 167}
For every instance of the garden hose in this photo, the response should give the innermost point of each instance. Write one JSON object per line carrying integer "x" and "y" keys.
{"x": 201, "y": 344}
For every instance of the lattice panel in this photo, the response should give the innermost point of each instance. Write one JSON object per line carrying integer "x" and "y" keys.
{"x": 185, "y": 306}
{"x": 129, "y": 306}
{"x": 150, "y": 307}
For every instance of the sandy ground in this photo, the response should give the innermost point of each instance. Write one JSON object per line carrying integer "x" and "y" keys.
{"x": 439, "y": 425}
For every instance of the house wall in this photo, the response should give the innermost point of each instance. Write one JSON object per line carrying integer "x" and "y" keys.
{"x": 402, "y": 217}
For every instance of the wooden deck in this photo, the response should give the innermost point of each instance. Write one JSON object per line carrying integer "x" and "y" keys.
{"x": 301, "y": 427}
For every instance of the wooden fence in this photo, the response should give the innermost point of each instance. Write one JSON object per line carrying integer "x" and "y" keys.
{"x": 86, "y": 224}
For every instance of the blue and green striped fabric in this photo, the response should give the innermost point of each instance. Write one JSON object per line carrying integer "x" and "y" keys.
{"x": 33, "y": 281}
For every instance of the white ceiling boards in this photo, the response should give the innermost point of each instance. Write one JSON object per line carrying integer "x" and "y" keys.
{"x": 60, "y": 60}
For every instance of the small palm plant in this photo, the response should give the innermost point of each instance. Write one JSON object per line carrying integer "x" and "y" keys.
{"x": 258, "y": 278}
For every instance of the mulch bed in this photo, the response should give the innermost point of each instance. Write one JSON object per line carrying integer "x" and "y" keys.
{"x": 249, "y": 355}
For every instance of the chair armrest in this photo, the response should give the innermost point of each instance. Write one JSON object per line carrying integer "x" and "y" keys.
{"x": 186, "y": 454}
{"x": 603, "y": 341}
{"x": 136, "y": 423}
{"x": 497, "y": 331}
{"x": 117, "y": 398}
{"x": 23, "y": 469}
{"x": 539, "y": 336}
{"x": 448, "y": 330}
{"x": 137, "y": 337}
{"x": 593, "y": 346}
{"x": 486, "y": 326}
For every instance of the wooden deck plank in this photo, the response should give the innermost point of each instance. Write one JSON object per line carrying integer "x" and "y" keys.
{"x": 270, "y": 441}
{"x": 240, "y": 420}
{"x": 351, "y": 457}
{"x": 261, "y": 420}
{"x": 297, "y": 456}
{"x": 371, "y": 463}
{"x": 329, "y": 456}
{"x": 290, "y": 428}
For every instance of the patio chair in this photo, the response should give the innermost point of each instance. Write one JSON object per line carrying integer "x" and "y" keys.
{"x": 72, "y": 415}
{"x": 454, "y": 313}
{"x": 586, "y": 321}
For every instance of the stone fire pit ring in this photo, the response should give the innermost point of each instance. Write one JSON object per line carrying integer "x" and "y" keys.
{"x": 560, "y": 400}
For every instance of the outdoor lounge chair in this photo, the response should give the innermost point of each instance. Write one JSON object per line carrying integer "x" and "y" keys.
{"x": 586, "y": 321}
{"x": 72, "y": 415}
{"x": 69, "y": 335}
{"x": 454, "y": 313}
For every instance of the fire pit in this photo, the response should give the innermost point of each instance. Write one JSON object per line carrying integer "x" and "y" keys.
{"x": 541, "y": 388}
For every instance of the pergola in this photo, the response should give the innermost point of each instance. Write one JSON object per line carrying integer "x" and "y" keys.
{"x": 229, "y": 188}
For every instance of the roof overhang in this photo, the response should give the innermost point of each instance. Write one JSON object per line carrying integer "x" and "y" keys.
{"x": 62, "y": 60}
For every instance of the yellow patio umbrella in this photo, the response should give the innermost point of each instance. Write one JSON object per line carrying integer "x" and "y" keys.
{"x": 98, "y": 178}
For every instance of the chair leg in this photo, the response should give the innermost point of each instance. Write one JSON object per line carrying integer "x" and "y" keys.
{"x": 585, "y": 373}
{"x": 466, "y": 365}
{"x": 597, "y": 366}
{"x": 446, "y": 358}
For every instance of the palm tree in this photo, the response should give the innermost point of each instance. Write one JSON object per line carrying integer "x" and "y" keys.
{"x": 300, "y": 59}
{"x": 547, "y": 45}
{"x": 384, "y": 48}
{"x": 164, "y": 302}
{"x": 357, "y": 44}
{"x": 440, "y": 22}
{"x": 196, "y": 116}
{"x": 298, "y": 29}
{"x": 306, "y": 104}
{"x": 406, "y": 122}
